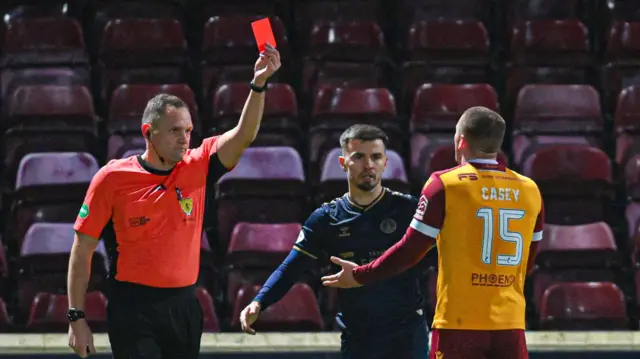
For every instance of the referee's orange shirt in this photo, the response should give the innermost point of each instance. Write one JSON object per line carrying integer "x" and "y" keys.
{"x": 151, "y": 220}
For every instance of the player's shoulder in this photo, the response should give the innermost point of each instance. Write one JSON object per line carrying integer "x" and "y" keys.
{"x": 117, "y": 169}
{"x": 401, "y": 198}
{"x": 524, "y": 179}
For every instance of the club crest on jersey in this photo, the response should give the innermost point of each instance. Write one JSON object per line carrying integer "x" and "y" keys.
{"x": 422, "y": 208}
{"x": 187, "y": 205}
{"x": 439, "y": 355}
{"x": 388, "y": 226}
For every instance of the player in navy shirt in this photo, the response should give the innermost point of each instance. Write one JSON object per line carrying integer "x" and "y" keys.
{"x": 384, "y": 320}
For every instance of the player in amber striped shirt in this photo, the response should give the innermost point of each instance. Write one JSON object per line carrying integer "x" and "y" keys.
{"x": 486, "y": 221}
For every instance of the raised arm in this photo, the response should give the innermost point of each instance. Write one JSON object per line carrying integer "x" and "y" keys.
{"x": 232, "y": 143}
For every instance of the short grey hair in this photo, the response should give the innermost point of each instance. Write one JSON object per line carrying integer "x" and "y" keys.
{"x": 157, "y": 106}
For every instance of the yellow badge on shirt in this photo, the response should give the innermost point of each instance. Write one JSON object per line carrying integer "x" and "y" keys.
{"x": 187, "y": 205}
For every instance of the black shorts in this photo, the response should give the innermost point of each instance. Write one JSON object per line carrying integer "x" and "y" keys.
{"x": 405, "y": 344}
{"x": 165, "y": 327}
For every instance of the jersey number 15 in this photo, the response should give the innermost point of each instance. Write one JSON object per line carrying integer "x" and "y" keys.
{"x": 505, "y": 215}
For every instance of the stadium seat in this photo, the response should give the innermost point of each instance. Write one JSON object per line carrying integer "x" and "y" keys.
{"x": 12, "y": 78}
{"x": 152, "y": 51}
{"x": 296, "y": 311}
{"x": 44, "y": 259}
{"x": 128, "y": 102}
{"x": 49, "y": 186}
{"x": 51, "y": 108}
{"x": 261, "y": 245}
{"x": 449, "y": 43}
{"x": 335, "y": 109}
{"x": 43, "y": 41}
{"x": 627, "y": 114}
{"x": 580, "y": 246}
{"x": 622, "y": 67}
{"x": 437, "y": 107}
{"x": 410, "y": 11}
{"x": 558, "y": 109}
{"x": 333, "y": 178}
{"x": 543, "y": 278}
{"x": 21, "y": 10}
{"x": 522, "y": 146}
{"x": 431, "y": 153}
{"x": 266, "y": 186}
{"x": 308, "y": 12}
{"x": 49, "y": 313}
{"x": 575, "y": 182}
{"x": 118, "y": 146}
{"x": 280, "y": 125}
{"x": 229, "y": 40}
{"x": 316, "y": 75}
{"x": 522, "y": 10}
{"x": 346, "y": 41}
{"x": 210, "y": 319}
{"x": 583, "y": 306}
{"x": 550, "y": 42}
{"x": 238, "y": 278}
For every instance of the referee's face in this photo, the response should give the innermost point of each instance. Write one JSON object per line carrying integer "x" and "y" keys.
{"x": 173, "y": 134}
{"x": 364, "y": 162}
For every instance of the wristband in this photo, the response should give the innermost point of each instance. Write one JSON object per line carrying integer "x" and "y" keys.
{"x": 257, "y": 89}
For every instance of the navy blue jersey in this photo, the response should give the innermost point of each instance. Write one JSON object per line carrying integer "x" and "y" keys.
{"x": 344, "y": 229}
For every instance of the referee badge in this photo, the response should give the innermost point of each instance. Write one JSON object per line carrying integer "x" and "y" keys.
{"x": 388, "y": 226}
{"x": 187, "y": 205}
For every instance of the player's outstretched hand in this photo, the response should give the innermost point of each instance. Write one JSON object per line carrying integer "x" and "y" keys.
{"x": 266, "y": 65}
{"x": 342, "y": 279}
{"x": 248, "y": 316}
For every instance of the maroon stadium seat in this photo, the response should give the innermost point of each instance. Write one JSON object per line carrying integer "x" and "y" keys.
{"x": 308, "y": 12}
{"x": 410, "y": 11}
{"x": 333, "y": 179}
{"x": 280, "y": 125}
{"x": 543, "y": 278}
{"x": 622, "y": 67}
{"x": 128, "y": 102}
{"x": 358, "y": 41}
{"x": 580, "y": 246}
{"x": 523, "y": 146}
{"x": 44, "y": 259}
{"x": 632, "y": 176}
{"x": 450, "y": 43}
{"x": 431, "y": 153}
{"x": 316, "y": 75}
{"x": 522, "y": 10}
{"x": 238, "y": 278}
{"x": 296, "y": 311}
{"x": 550, "y": 42}
{"x": 119, "y": 145}
{"x": 437, "y": 107}
{"x": 51, "y": 107}
{"x": 622, "y": 10}
{"x": 558, "y": 109}
{"x": 269, "y": 181}
{"x": 574, "y": 181}
{"x": 261, "y": 245}
{"x": 335, "y": 109}
{"x": 11, "y": 79}
{"x": 47, "y": 41}
{"x": 229, "y": 40}
{"x": 210, "y": 319}
{"x": 21, "y": 10}
{"x": 49, "y": 312}
{"x": 583, "y": 306}
{"x": 142, "y": 51}
{"x": 627, "y": 115}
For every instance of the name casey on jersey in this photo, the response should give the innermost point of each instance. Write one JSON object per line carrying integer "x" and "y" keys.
{"x": 500, "y": 194}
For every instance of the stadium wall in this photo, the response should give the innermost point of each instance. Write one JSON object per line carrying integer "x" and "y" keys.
{"x": 542, "y": 345}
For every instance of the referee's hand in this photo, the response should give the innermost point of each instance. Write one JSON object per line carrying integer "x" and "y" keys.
{"x": 81, "y": 338}
{"x": 248, "y": 316}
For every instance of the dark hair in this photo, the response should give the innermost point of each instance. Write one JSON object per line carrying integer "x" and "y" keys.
{"x": 363, "y": 133}
{"x": 157, "y": 106}
{"x": 483, "y": 129}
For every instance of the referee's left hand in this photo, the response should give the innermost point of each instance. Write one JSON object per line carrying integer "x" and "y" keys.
{"x": 342, "y": 279}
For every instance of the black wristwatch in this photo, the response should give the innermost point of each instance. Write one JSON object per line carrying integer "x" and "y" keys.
{"x": 255, "y": 88}
{"x": 74, "y": 314}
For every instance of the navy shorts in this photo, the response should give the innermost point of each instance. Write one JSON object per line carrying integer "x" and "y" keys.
{"x": 404, "y": 344}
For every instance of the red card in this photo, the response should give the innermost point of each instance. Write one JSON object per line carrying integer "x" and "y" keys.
{"x": 263, "y": 33}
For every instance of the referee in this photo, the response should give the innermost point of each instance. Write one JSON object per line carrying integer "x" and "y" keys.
{"x": 149, "y": 211}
